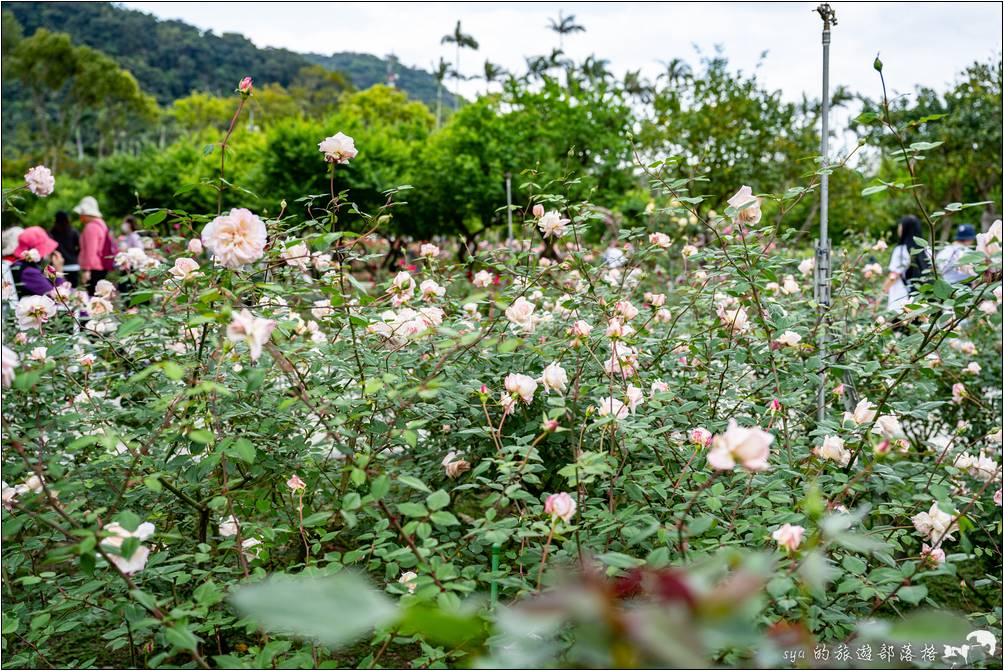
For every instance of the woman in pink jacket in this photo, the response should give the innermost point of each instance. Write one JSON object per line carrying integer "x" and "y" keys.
{"x": 96, "y": 244}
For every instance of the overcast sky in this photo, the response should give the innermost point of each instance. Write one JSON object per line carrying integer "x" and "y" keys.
{"x": 920, "y": 43}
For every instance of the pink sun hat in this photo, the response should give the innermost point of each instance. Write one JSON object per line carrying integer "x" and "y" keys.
{"x": 35, "y": 237}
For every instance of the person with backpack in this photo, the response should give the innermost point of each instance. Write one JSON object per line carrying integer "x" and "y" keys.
{"x": 910, "y": 263}
{"x": 97, "y": 245}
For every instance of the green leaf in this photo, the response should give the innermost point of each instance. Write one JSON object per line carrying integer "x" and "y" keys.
{"x": 200, "y": 436}
{"x": 912, "y": 593}
{"x": 619, "y": 560}
{"x": 444, "y": 518}
{"x": 438, "y": 499}
{"x": 412, "y": 509}
{"x": 414, "y": 483}
{"x": 335, "y": 610}
{"x": 180, "y": 637}
{"x": 154, "y": 219}
{"x": 869, "y": 190}
{"x": 315, "y": 519}
{"x": 243, "y": 450}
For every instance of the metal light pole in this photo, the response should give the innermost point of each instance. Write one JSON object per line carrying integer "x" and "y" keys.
{"x": 508, "y": 202}
{"x": 821, "y": 288}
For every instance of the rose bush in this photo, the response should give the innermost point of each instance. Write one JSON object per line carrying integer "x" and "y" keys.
{"x": 487, "y": 443}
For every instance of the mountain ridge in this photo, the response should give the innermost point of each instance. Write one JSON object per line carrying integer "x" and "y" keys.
{"x": 170, "y": 58}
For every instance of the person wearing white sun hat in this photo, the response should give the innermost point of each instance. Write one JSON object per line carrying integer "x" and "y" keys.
{"x": 97, "y": 245}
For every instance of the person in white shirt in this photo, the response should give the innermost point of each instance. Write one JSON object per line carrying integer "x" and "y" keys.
{"x": 947, "y": 260}
{"x": 909, "y": 263}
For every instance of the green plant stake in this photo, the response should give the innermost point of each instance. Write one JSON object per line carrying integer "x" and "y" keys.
{"x": 495, "y": 567}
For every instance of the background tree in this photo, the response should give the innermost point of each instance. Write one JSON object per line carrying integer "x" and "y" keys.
{"x": 565, "y": 25}
{"x": 462, "y": 41}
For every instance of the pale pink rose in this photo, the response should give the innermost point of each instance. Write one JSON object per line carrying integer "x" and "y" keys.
{"x": 431, "y": 290}
{"x": 87, "y": 360}
{"x": 889, "y": 427}
{"x": 833, "y": 449}
{"x": 932, "y": 556}
{"x": 401, "y": 288}
{"x": 9, "y": 362}
{"x": 988, "y": 307}
{"x": 999, "y": 497}
{"x": 581, "y": 329}
{"x": 235, "y": 239}
{"x": 538, "y": 211}
{"x": 789, "y": 536}
{"x": 688, "y": 251}
{"x": 410, "y": 580}
{"x": 655, "y": 300}
{"x": 321, "y": 260}
{"x": 635, "y": 397}
{"x": 554, "y": 378}
{"x": 663, "y": 316}
{"x": 659, "y": 387}
{"x": 507, "y": 402}
{"x": 560, "y": 506}
{"x": 701, "y": 436}
{"x": 453, "y": 465}
{"x": 34, "y": 311}
{"x": 615, "y": 329}
{"x": 660, "y": 240}
{"x": 429, "y": 251}
{"x": 880, "y": 246}
{"x": 339, "y": 148}
{"x": 789, "y": 339}
{"x": 297, "y": 255}
{"x": 40, "y": 181}
{"x": 520, "y": 313}
{"x": 105, "y": 289}
{"x": 935, "y": 524}
{"x": 295, "y": 483}
{"x": 749, "y": 204}
{"x": 322, "y": 308}
{"x": 789, "y": 286}
{"x": 958, "y": 392}
{"x": 21, "y": 338}
{"x": 623, "y": 361}
{"x": 872, "y": 270}
{"x": 748, "y": 446}
{"x": 972, "y": 368}
{"x": 626, "y": 310}
{"x": 612, "y": 406}
{"x": 807, "y": 266}
{"x": 734, "y": 319}
{"x": 864, "y": 412}
{"x": 483, "y": 279}
{"x": 228, "y": 526}
{"x": 520, "y": 385}
{"x": 184, "y": 268}
{"x": 990, "y": 242}
{"x": 137, "y": 561}
{"x": 194, "y": 246}
{"x": 39, "y": 354}
{"x": 839, "y": 389}
{"x": 552, "y": 224}
{"x": 246, "y": 328}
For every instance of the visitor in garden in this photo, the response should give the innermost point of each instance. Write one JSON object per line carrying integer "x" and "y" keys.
{"x": 68, "y": 239}
{"x": 35, "y": 251}
{"x": 948, "y": 258}
{"x": 614, "y": 256}
{"x": 130, "y": 238}
{"x": 97, "y": 245}
{"x": 9, "y": 244}
{"x": 909, "y": 263}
